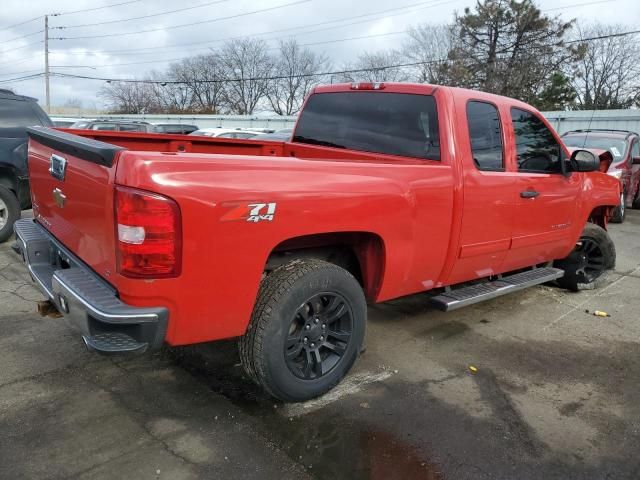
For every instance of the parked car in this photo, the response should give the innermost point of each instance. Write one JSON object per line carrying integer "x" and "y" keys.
{"x": 63, "y": 122}
{"x": 177, "y": 128}
{"x": 17, "y": 112}
{"x": 385, "y": 190}
{"x": 283, "y": 135}
{"x": 625, "y": 148}
{"x": 226, "y": 133}
{"x": 81, "y": 124}
{"x": 115, "y": 126}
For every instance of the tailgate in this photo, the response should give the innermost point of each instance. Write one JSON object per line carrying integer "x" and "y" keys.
{"x": 72, "y": 193}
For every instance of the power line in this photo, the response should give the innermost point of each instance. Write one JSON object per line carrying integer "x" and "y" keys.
{"x": 191, "y": 56}
{"x": 362, "y": 37}
{"x": 603, "y": 37}
{"x": 97, "y": 8}
{"x": 22, "y": 36}
{"x": 586, "y": 4}
{"x": 227, "y": 80}
{"x": 166, "y": 12}
{"x": 171, "y": 27}
{"x": 21, "y": 23}
{"x": 22, "y": 79}
{"x": 20, "y": 73}
{"x": 20, "y": 48}
{"x": 429, "y": 4}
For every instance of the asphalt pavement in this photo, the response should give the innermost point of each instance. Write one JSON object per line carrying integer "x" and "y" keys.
{"x": 556, "y": 394}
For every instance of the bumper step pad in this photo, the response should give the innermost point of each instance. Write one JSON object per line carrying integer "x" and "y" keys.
{"x": 113, "y": 343}
{"x": 461, "y": 297}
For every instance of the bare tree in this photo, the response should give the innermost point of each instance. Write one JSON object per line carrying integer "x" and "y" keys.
{"x": 376, "y": 67}
{"x": 297, "y": 69}
{"x": 202, "y": 76}
{"x": 429, "y": 45}
{"x": 607, "y": 74}
{"x": 129, "y": 97}
{"x": 247, "y": 66}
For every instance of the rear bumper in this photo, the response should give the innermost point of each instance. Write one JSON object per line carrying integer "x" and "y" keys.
{"x": 107, "y": 324}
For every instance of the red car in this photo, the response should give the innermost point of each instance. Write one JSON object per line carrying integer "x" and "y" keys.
{"x": 384, "y": 190}
{"x": 625, "y": 148}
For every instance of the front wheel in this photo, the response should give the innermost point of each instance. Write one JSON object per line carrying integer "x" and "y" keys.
{"x": 9, "y": 212}
{"x": 306, "y": 330}
{"x": 593, "y": 254}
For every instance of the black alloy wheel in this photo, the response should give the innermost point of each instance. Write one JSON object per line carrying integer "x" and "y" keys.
{"x": 318, "y": 336}
{"x": 593, "y": 254}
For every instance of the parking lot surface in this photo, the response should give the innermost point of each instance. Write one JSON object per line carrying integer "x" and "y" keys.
{"x": 556, "y": 395}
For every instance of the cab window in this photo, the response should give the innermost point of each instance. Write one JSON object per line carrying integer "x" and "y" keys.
{"x": 537, "y": 149}
{"x": 485, "y": 134}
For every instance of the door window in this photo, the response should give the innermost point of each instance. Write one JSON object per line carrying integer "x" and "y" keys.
{"x": 537, "y": 149}
{"x": 485, "y": 134}
{"x": 635, "y": 149}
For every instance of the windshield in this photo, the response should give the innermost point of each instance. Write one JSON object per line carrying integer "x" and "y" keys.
{"x": 389, "y": 123}
{"x": 616, "y": 146}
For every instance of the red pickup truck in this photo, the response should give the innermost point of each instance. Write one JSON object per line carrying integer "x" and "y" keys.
{"x": 384, "y": 190}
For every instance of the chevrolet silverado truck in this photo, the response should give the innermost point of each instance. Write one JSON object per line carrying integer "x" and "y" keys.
{"x": 384, "y": 190}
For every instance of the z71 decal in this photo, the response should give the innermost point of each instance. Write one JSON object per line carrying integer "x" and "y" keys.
{"x": 251, "y": 212}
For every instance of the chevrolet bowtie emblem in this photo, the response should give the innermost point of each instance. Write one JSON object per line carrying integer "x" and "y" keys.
{"x": 59, "y": 197}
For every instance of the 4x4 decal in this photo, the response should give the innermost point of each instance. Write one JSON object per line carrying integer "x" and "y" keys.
{"x": 251, "y": 212}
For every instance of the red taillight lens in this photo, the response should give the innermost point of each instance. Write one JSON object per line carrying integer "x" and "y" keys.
{"x": 149, "y": 234}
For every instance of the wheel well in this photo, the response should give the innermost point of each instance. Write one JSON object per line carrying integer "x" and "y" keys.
{"x": 360, "y": 253}
{"x": 601, "y": 215}
{"x": 8, "y": 178}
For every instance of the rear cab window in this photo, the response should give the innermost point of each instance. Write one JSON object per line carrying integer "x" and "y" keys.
{"x": 377, "y": 122}
{"x": 485, "y": 135}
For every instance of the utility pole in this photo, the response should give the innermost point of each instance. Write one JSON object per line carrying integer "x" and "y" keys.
{"x": 46, "y": 63}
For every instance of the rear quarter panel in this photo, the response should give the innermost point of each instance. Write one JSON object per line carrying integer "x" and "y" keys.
{"x": 407, "y": 205}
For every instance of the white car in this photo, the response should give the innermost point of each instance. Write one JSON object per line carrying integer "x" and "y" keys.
{"x": 219, "y": 132}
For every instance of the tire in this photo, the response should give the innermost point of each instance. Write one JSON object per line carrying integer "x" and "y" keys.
{"x": 619, "y": 213}
{"x": 279, "y": 349}
{"x": 594, "y": 254}
{"x": 9, "y": 213}
{"x": 636, "y": 201}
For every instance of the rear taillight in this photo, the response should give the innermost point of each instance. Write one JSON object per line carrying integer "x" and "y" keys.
{"x": 148, "y": 227}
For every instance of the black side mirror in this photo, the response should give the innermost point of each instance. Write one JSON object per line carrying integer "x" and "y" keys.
{"x": 635, "y": 160}
{"x": 584, "y": 161}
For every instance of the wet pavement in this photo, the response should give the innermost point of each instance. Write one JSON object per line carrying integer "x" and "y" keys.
{"x": 556, "y": 395}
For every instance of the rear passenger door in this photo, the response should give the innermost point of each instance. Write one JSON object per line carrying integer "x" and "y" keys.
{"x": 545, "y": 202}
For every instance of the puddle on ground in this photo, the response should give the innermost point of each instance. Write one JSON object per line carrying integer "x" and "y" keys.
{"x": 329, "y": 446}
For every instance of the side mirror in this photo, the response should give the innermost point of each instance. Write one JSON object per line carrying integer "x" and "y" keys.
{"x": 635, "y": 160}
{"x": 584, "y": 161}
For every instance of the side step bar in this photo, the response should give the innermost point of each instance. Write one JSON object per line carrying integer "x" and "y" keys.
{"x": 461, "y": 297}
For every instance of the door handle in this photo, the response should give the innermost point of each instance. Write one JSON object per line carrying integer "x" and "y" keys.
{"x": 529, "y": 194}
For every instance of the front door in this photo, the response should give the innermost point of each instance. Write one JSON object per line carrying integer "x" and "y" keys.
{"x": 545, "y": 199}
{"x": 487, "y": 219}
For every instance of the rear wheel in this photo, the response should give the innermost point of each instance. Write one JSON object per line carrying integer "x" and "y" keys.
{"x": 593, "y": 254}
{"x": 9, "y": 212}
{"x": 636, "y": 200}
{"x": 620, "y": 211}
{"x": 306, "y": 330}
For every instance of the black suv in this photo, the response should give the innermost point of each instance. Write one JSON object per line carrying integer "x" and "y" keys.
{"x": 16, "y": 114}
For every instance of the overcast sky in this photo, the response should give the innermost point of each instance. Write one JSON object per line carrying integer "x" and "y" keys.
{"x": 167, "y": 33}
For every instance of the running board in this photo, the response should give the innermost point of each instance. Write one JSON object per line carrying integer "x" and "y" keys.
{"x": 461, "y": 297}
